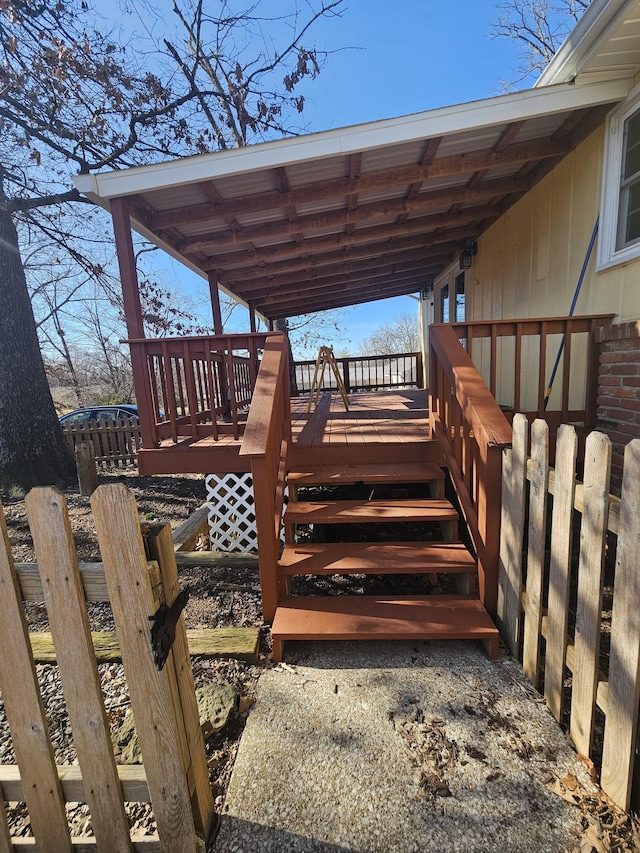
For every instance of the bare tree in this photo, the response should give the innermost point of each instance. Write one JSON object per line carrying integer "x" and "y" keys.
{"x": 540, "y": 26}
{"x": 399, "y": 335}
{"x": 71, "y": 99}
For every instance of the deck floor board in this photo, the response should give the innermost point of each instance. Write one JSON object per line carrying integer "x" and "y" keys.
{"x": 399, "y": 418}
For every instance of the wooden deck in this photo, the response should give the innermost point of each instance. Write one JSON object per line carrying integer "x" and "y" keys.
{"x": 393, "y": 422}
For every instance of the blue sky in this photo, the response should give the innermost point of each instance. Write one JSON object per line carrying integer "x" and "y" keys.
{"x": 426, "y": 54}
{"x": 390, "y": 59}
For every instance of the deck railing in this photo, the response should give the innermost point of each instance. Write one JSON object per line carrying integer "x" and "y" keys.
{"x": 266, "y": 441}
{"x": 194, "y": 387}
{"x": 472, "y": 430}
{"x": 366, "y": 373}
{"x": 516, "y": 359}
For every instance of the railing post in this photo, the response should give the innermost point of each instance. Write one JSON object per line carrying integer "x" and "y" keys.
{"x": 489, "y": 508}
{"x": 345, "y": 375}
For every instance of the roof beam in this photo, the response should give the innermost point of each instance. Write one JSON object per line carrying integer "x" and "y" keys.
{"x": 367, "y": 239}
{"x": 275, "y": 290}
{"x": 414, "y": 260}
{"x": 440, "y": 167}
{"x": 336, "y": 219}
{"x": 374, "y": 294}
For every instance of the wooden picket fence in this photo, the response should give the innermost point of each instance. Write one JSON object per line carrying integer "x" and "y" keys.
{"x": 115, "y": 443}
{"x": 541, "y": 585}
{"x": 174, "y": 776}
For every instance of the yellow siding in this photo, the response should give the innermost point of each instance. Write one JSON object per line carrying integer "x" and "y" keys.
{"x": 529, "y": 262}
{"x": 528, "y": 265}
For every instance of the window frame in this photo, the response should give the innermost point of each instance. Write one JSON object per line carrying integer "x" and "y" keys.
{"x": 612, "y": 190}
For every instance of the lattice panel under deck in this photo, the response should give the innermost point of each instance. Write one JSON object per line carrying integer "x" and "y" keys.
{"x": 232, "y": 518}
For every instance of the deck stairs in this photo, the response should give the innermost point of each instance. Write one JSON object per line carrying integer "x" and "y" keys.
{"x": 457, "y": 615}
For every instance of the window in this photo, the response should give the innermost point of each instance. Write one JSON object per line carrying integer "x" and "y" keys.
{"x": 460, "y": 299}
{"x": 450, "y": 302}
{"x": 444, "y": 304}
{"x": 619, "y": 239}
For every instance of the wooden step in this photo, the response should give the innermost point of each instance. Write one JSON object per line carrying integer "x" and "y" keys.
{"x": 364, "y": 617}
{"x": 343, "y": 558}
{"x": 401, "y": 472}
{"x": 363, "y": 512}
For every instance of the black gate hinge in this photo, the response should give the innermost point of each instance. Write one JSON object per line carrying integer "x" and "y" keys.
{"x": 163, "y": 630}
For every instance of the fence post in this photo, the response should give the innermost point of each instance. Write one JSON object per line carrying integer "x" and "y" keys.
{"x": 87, "y": 471}
{"x": 514, "y": 476}
{"x": 560, "y": 568}
{"x": 346, "y": 379}
{"x": 536, "y": 549}
{"x": 132, "y": 601}
{"x": 624, "y": 663}
{"x": 65, "y": 602}
{"x": 161, "y": 548}
{"x": 593, "y": 536}
{"x": 26, "y": 716}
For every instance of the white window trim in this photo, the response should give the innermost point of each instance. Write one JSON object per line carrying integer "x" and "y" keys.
{"x": 608, "y": 256}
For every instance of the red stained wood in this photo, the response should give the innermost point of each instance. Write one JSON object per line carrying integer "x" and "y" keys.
{"x": 366, "y": 617}
{"x": 346, "y": 512}
{"x": 332, "y": 558}
{"x": 407, "y": 472}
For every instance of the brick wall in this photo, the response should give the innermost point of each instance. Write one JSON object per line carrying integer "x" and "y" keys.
{"x": 618, "y": 411}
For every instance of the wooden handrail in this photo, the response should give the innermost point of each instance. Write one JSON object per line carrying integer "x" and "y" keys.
{"x": 472, "y": 430}
{"x": 481, "y": 410}
{"x": 266, "y": 440}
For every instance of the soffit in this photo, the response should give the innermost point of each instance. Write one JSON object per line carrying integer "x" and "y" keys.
{"x": 292, "y": 233}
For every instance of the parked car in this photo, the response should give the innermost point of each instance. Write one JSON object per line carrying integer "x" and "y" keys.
{"x": 119, "y": 412}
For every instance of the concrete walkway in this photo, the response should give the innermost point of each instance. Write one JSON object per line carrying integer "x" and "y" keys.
{"x": 405, "y": 747}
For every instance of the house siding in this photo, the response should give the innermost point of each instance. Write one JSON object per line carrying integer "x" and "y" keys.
{"x": 528, "y": 265}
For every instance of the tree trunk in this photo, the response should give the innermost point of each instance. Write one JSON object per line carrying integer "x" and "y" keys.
{"x": 32, "y": 448}
{"x": 282, "y": 325}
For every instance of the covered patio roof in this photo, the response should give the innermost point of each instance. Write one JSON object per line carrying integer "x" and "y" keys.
{"x": 359, "y": 213}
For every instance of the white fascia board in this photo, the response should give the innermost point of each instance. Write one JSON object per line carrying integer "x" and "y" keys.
{"x": 517, "y": 106}
{"x": 586, "y": 37}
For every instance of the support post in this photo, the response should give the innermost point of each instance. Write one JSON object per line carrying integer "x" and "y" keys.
{"x": 133, "y": 315}
{"x": 127, "y": 266}
{"x": 215, "y": 303}
{"x": 252, "y": 317}
{"x": 86, "y": 464}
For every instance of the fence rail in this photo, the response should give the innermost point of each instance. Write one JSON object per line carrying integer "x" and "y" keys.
{"x": 174, "y": 776}
{"x": 366, "y": 373}
{"x": 115, "y": 443}
{"x": 538, "y": 586}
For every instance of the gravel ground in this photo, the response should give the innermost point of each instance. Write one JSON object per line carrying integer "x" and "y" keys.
{"x": 160, "y": 499}
{"x": 409, "y": 748}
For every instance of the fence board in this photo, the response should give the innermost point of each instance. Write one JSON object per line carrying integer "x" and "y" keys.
{"x": 64, "y": 599}
{"x": 512, "y": 531}
{"x": 536, "y": 547}
{"x": 5, "y": 838}
{"x": 131, "y": 596}
{"x": 593, "y": 533}
{"x": 161, "y": 548}
{"x": 560, "y": 568}
{"x": 25, "y": 713}
{"x": 624, "y": 662}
